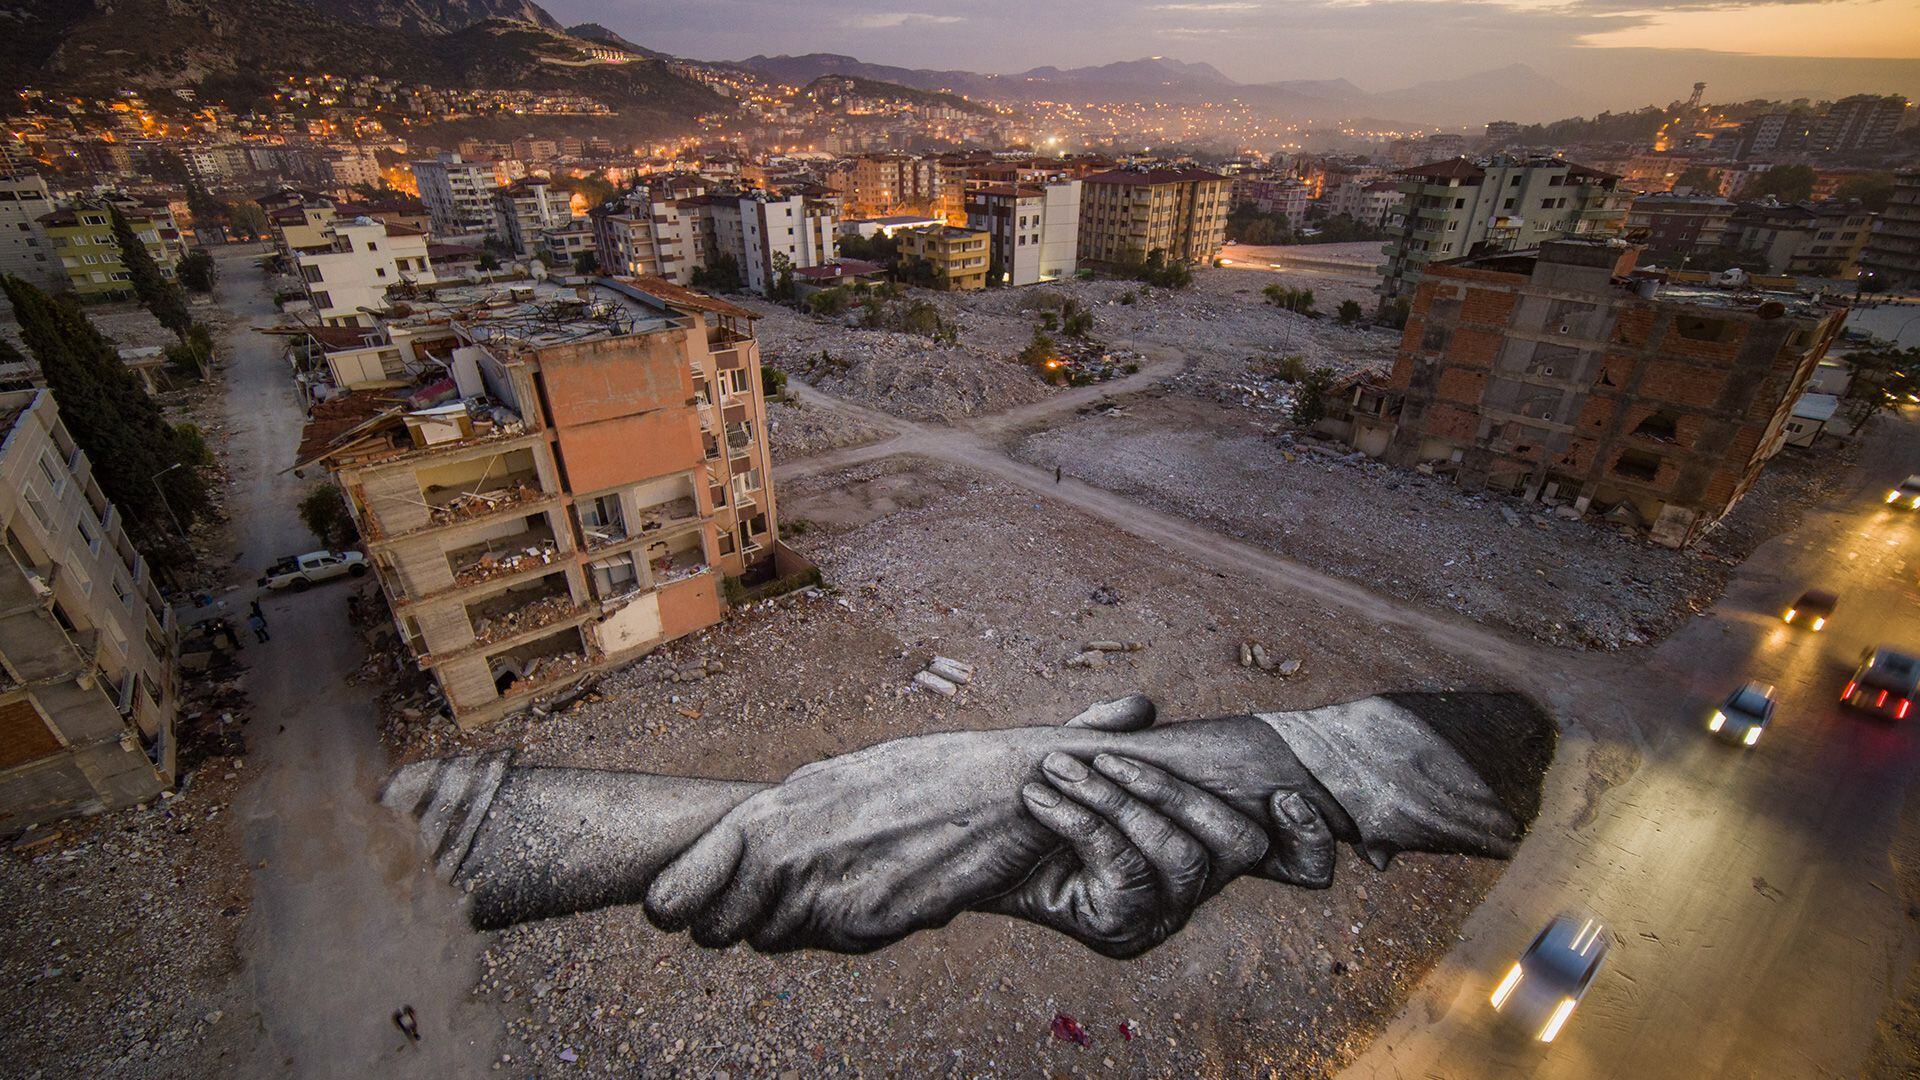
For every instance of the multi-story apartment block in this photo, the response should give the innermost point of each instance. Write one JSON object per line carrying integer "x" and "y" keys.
{"x": 348, "y": 274}
{"x": 567, "y": 242}
{"x": 1459, "y": 207}
{"x": 458, "y": 194}
{"x": 567, "y": 493}
{"x": 82, "y": 236}
{"x": 1863, "y": 123}
{"x": 1891, "y": 257}
{"x": 957, "y": 258}
{"x": 1772, "y": 133}
{"x": 1373, "y": 203}
{"x": 1284, "y": 195}
{"x": 1809, "y": 239}
{"x": 661, "y": 231}
{"x": 26, "y": 251}
{"x": 524, "y": 209}
{"x": 881, "y": 184}
{"x": 1033, "y": 229}
{"x": 1559, "y": 374}
{"x": 1680, "y": 225}
{"x": 346, "y": 167}
{"x": 87, "y": 645}
{"x": 1127, "y": 214}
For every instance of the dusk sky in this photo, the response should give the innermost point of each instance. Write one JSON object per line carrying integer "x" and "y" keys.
{"x": 1613, "y": 52}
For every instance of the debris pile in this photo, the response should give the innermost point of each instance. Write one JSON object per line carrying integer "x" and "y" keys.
{"x": 531, "y": 616}
{"x": 491, "y": 565}
{"x": 473, "y": 504}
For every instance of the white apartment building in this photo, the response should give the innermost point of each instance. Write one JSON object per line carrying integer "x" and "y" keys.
{"x": 1369, "y": 203}
{"x": 458, "y": 194}
{"x": 525, "y": 209}
{"x": 771, "y": 229}
{"x": 25, "y": 250}
{"x": 348, "y": 278}
{"x": 651, "y": 233}
{"x": 1033, "y": 229}
{"x": 87, "y": 645}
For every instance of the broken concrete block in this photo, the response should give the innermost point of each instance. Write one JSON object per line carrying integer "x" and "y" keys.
{"x": 1089, "y": 659}
{"x": 1246, "y": 655}
{"x": 1288, "y": 669}
{"x": 1260, "y": 657}
{"x": 928, "y": 680}
{"x": 954, "y": 671}
{"x": 1508, "y": 513}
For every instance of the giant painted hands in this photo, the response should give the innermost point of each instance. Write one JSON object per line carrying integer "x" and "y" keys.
{"x": 862, "y": 850}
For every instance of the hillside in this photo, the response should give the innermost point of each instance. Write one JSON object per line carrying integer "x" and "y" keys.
{"x": 875, "y": 88}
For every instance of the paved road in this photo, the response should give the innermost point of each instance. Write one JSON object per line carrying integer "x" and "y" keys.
{"x": 343, "y": 928}
{"x": 1282, "y": 258}
{"x": 1758, "y": 927}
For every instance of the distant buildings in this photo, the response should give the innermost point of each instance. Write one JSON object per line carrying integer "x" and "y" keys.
{"x": 1804, "y": 239}
{"x": 1033, "y": 229}
{"x": 1863, "y": 123}
{"x": 1372, "y": 204}
{"x": 1127, "y": 215}
{"x": 956, "y": 259}
{"x": 348, "y": 274}
{"x": 1283, "y": 195}
{"x": 458, "y": 194}
{"x": 26, "y": 251}
{"x": 525, "y": 209}
{"x": 880, "y": 184}
{"x": 564, "y": 486}
{"x": 87, "y": 698}
{"x": 1891, "y": 256}
{"x": 1680, "y": 224}
{"x": 1460, "y": 207}
{"x": 676, "y": 228}
{"x": 1557, "y": 374}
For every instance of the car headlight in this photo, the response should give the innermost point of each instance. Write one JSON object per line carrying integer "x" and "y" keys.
{"x": 1719, "y": 721}
{"x": 1752, "y": 736}
{"x": 1819, "y": 621}
{"x": 1791, "y": 612}
{"x": 1558, "y": 1020}
{"x": 1505, "y": 989}
{"x": 1893, "y": 496}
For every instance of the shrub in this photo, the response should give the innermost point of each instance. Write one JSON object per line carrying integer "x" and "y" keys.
{"x": 1350, "y": 312}
{"x": 324, "y": 510}
{"x": 197, "y": 271}
{"x": 773, "y": 381}
{"x": 1310, "y": 396}
{"x": 830, "y": 302}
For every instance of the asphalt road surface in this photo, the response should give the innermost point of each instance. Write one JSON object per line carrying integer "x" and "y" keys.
{"x": 1758, "y": 927}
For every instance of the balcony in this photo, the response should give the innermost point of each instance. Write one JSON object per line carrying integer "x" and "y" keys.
{"x": 522, "y": 609}
{"x": 453, "y": 507}
{"x": 676, "y": 558}
{"x": 506, "y": 556}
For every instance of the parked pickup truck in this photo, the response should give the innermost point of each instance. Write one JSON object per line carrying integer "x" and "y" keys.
{"x": 296, "y": 572}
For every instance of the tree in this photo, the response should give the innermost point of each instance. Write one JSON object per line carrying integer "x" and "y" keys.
{"x": 1298, "y": 301}
{"x": 1350, "y": 312}
{"x": 246, "y": 219}
{"x": 782, "y": 276}
{"x": 487, "y": 262}
{"x": 324, "y": 510}
{"x": 197, "y": 271}
{"x": 586, "y": 262}
{"x": 150, "y": 469}
{"x": 1246, "y": 224}
{"x": 1697, "y": 178}
{"x": 1787, "y": 183}
{"x": 1882, "y": 374}
{"x": 1874, "y": 190}
{"x": 1310, "y": 396}
{"x": 723, "y": 275}
{"x": 157, "y": 294}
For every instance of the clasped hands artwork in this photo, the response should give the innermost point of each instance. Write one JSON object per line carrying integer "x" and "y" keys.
{"x": 1106, "y": 828}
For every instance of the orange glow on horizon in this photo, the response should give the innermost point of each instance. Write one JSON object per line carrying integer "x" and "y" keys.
{"x": 1848, "y": 29}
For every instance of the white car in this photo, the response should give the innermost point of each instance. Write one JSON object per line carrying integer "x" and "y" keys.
{"x": 1541, "y": 989}
{"x": 1907, "y": 494}
{"x": 298, "y": 572}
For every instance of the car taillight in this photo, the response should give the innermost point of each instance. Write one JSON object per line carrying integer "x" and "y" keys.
{"x": 1904, "y": 706}
{"x": 1881, "y": 700}
{"x": 1847, "y": 694}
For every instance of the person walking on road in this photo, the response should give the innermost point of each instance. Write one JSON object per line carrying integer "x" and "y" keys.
{"x": 1056, "y": 474}
{"x": 259, "y": 624}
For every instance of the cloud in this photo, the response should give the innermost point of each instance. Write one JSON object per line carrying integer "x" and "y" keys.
{"x": 1226, "y": 7}
{"x": 887, "y": 20}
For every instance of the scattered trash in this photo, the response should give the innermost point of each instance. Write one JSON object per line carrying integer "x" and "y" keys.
{"x": 1067, "y": 1029}
{"x": 407, "y": 1022}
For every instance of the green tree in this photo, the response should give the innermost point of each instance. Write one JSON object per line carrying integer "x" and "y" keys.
{"x": 1697, "y": 177}
{"x": 1882, "y": 375}
{"x": 197, "y": 271}
{"x": 1310, "y": 396}
{"x": 246, "y": 219}
{"x": 773, "y": 381}
{"x": 487, "y": 262}
{"x": 324, "y": 511}
{"x": 149, "y": 468}
{"x": 1874, "y": 190}
{"x": 157, "y": 294}
{"x": 1787, "y": 183}
{"x": 1350, "y": 312}
{"x": 586, "y": 262}
{"x": 782, "y": 276}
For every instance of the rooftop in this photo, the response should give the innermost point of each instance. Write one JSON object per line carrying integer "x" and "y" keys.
{"x": 1153, "y": 176}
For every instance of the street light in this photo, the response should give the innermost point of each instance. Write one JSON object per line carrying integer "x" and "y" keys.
{"x": 162, "y": 492}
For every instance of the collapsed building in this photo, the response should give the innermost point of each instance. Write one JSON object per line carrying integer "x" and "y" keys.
{"x": 1561, "y": 374}
{"x": 551, "y": 481}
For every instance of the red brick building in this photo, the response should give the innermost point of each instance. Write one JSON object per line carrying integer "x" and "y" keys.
{"x": 1561, "y": 375}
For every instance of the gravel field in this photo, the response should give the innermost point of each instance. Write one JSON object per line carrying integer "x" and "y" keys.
{"x": 119, "y": 943}
{"x": 796, "y": 431}
{"x": 1565, "y": 582}
{"x": 1210, "y": 329}
{"x": 1267, "y": 979}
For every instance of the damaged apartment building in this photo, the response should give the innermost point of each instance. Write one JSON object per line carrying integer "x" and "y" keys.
{"x": 551, "y": 482}
{"x": 1563, "y": 375}
{"x": 87, "y": 646}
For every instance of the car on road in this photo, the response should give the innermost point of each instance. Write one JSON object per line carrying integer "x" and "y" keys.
{"x": 1813, "y": 609}
{"x": 1885, "y": 683}
{"x": 300, "y": 572}
{"x": 1907, "y": 494}
{"x": 1744, "y": 715}
{"x": 1542, "y": 988}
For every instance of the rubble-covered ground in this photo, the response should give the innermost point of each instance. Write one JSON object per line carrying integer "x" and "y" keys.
{"x": 1208, "y": 330}
{"x": 797, "y": 429}
{"x": 922, "y": 559}
{"x": 1485, "y": 555}
{"x": 118, "y": 946}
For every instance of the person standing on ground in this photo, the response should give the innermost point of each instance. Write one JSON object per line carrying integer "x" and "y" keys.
{"x": 259, "y": 624}
{"x": 1056, "y": 474}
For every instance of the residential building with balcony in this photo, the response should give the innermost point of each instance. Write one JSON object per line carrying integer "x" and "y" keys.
{"x": 1033, "y": 229}
{"x": 26, "y": 251}
{"x": 1891, "y": 256}
{"x": 663, "y": 231}
{"x": 1458, "y": 207}
{"x": 956, "y": 259}
{"x": 1860, "y": 124}
{"x": 458, "y": 194}
{"x": 1127, "y": 214}
{"x": 1373, "y": 203}
{"x": 1562, "y": 374}
{"x": 566, "y": 485}
{"x": 1679, "y": 226}
{"x": 347, "y": 276}
{"x": 87, "y": 645}
{"x": 1805, "y": 239}
{"x": 525, "y": 209}
{"x": 82, "y": 236}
